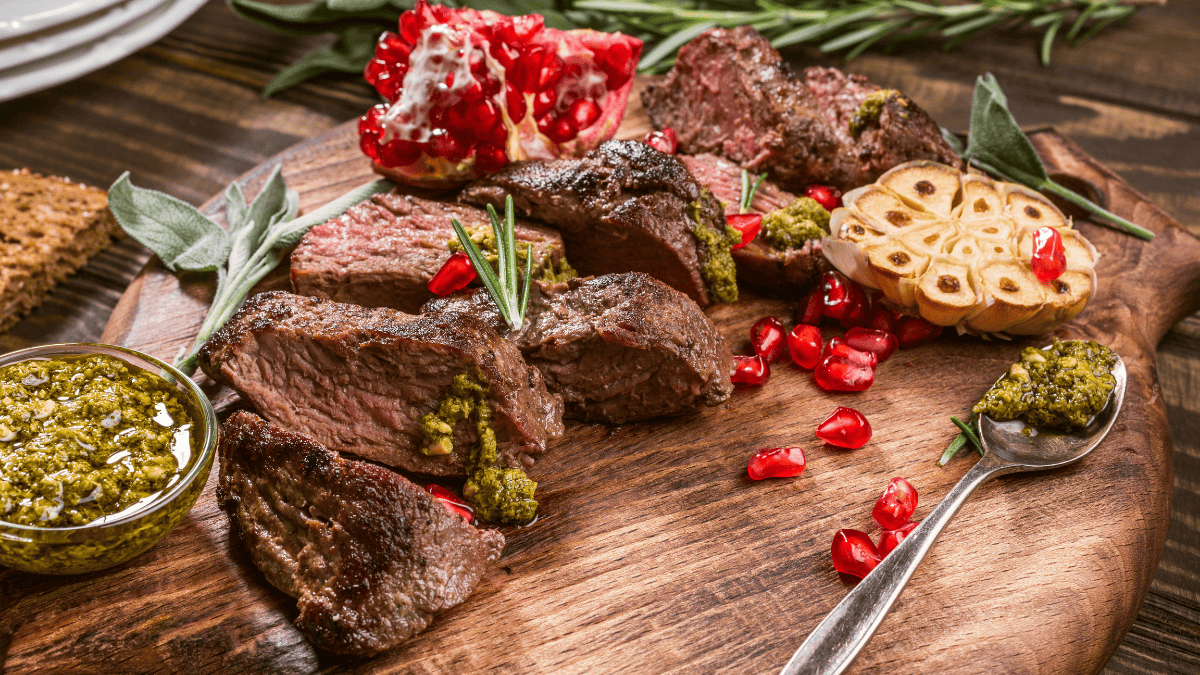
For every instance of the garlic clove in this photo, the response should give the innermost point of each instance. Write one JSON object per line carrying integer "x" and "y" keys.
{"x": 931, "y": 186}
{"x": 946, "y": 292}
{"x": 885, "y": 211}
{"x": 1015, "y": 294}
{"x": 1030, "y": 209}
{"x": 895, "y": 268}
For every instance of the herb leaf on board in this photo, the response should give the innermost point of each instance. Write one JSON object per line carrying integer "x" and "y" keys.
{"x": 996, "y": 144}
{"x": 182, "y": 237}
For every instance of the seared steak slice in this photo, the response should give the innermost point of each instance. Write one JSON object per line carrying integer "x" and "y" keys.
{"x": 623, "y": 207}
{"x": 359, "y": 380}
{"x": 759, "y": 265}
{"x": 383, "y": 251}
{"x": 618, "y": 348}
{"x": 731, "y": 94}
{"x": 370, "y": 557}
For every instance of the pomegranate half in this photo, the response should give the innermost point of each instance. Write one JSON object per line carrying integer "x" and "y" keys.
{"x": 470, "y": 91}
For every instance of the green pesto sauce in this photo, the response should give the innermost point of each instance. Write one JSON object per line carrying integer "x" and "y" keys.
{"x": 716, "y": 266}
{"x": 1061, "y": 387}
{"x": 869, "y": 110}
{"x": 85, "y": 437}
{"x": 498, "y": 494}
{"x": 485, "y": 239}
{"x": 791, "y": 226}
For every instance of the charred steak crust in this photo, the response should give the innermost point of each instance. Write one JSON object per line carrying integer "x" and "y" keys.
{"x": 358, "y": 380}
{"x": 383, "y": 251}
{"x": 370, "y": 557}
{"x": 731, "y": 94}
{"x": 623, "y": 207}
{"x": 760, "y": 266}
{"x": 618, "y": 348}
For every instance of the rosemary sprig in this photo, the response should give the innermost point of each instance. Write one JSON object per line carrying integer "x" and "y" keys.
{"x": 849, "y": 26}
{"x": 961, "y": 440}
{"x": 749, "y": 189}
{"x": 501, "y": 284}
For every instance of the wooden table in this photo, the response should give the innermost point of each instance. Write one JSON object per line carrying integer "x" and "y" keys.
{"x": 184, "y": 115}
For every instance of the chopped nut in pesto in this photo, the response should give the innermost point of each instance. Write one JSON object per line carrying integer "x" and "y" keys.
{"x": 501, "y": 495}
{"x": 716, "y": 267}
{"x": 793, "y": 225}
{"x": 85, "y": 437}
{"x": 1060, "y": 387}
{"x": 550, "y": 272}
{"x": 870, "y": 109}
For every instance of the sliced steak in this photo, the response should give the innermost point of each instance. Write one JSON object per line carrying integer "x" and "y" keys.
{"x": 731, "y": 94}
{"x": 383, "y": 251}
{"x": 618, "y": 348}
{"x": 760, "y": 266}
{"x": 370, "y": 557}
{"x": 359, "y": 380}
{"x": 624, "y": 207}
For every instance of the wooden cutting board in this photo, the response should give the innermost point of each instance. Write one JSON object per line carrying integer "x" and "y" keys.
{"x": 654, "y": 553}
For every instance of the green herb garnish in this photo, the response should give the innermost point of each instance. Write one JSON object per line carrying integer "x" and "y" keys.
{"x": 961, "y": 440}
{"x": 258, "y": 236}
{"x": 849, "y": 26}
{"x": 501, "y": 284}
{"x": 748, "y": 190}
{"x": 997, "y": 145}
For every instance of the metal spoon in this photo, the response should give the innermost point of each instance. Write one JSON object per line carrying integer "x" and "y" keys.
{"x": 832, "y": 646}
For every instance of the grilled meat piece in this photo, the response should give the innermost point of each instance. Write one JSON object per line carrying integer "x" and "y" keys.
{"x": 760, "y": 266}
{"x": 383, "y": 251}
{"x": 623, "y": 207}
{"x": 370, "y": 557}
{"x": 359, "y": 380}
{"x": 618, "y": 348}
{"x": 731, "y": 94}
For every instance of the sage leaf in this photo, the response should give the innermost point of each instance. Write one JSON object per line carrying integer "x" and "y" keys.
{"x": 350, "y": 54}
{"x": 235, "y": 207}
{"x": 356, "y": 5}
{"x": 995, "y": 136}
{"x": 270, "y": 206}
{"x": 314, "y": 17}
{"x": 184, "y": 239}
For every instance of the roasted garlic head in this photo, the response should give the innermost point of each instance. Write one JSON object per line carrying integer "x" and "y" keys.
{"x": 956, "y": 248}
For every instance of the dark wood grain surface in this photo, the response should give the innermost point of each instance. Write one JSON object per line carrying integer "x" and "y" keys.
{"x": 185, "y": 117}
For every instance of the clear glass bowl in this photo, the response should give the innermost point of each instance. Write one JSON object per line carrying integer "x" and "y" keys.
{"x": 98, "y": 545}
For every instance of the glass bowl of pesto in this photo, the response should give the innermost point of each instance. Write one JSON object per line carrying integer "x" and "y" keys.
{"x": 103, "y": 450}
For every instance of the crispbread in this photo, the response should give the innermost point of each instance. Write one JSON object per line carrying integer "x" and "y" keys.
{"x": 49, "y": 227}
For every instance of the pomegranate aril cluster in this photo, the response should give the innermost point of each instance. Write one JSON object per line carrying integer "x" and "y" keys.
{"x": 854, "y": 553}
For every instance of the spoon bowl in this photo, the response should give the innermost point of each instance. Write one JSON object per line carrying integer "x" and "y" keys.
{"x": 1008, "y": 441}
{"x": 832, "y": 646}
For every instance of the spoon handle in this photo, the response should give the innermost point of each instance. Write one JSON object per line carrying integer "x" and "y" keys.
{"x": 832, "y": 646}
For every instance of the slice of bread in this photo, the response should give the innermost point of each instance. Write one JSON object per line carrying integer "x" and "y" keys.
{"x": 49, "y": 227}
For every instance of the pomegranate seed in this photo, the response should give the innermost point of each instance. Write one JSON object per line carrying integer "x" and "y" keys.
{"x": 748, "y": 224}
{"x": 552, "y": 72}
{"x": 890, "y": 539}
{"x": 813, "y": 309}
{"x": 452, "y": 503}
{"x": 837, "y": 347}
{"x": 664, "y": 141}
{"x": 896, "y": 505}
{"x": 410, "y": 27}
{"x": 854, "y": 553}
{"x": 515, "y": 101}
{"x": 448, "y": 146}
{"x": 561, "y": 130}
{"x": 804, "y": 343}
{"x": 543, "y": 103}
{"x": 776, "y": 463}
{"x": 583, "y": 113}
{"x": 399, "y": 153}
{"x": 882, "y": 318}
{"x": 392, "y": 48}
{"x": 490, "y": 158}
{"x": 841, "y": 297}
{"x": 374, "y": 70}
{"x": 473, "y": 92}
{"x": 845, "y": 428}
{"x": 617, "y": 63}
{"x": 454, "y": 275}
{"x": 880, "y": 343}
{"x": 750, "y": 371}
{"x": 768, "y": 339}
{"x": 483, "y": 114}
{"x": 1049, "y": 260}
{"x": 913, "y": 331}
{"x": 837, "y": 373}
{"x": 826, "y": 196}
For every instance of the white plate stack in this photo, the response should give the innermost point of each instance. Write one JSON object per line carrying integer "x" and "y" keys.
{"x": 48, "y": 42}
